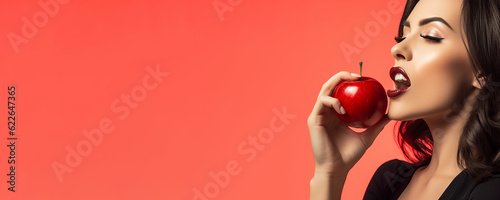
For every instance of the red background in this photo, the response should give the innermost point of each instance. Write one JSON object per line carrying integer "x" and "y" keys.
{"x": 226, "y": 77}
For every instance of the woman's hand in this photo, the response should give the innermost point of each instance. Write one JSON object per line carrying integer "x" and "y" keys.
{"x": 337, "y": 148}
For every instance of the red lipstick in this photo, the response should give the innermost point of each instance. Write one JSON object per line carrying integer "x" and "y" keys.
{"x": 402, "y": 82}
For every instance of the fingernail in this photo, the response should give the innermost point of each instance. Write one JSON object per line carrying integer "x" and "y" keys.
{"x": 356, "y": 75}
{"x": 342, "y": 110}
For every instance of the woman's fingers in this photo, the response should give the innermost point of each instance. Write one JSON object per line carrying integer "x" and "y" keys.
{"x": 325, "y": 100}
{"x": 331, "y": 102}
{"x": 329, "y": 85}
{"x": 372, "y": 132}
{"x": 323, "y": 103}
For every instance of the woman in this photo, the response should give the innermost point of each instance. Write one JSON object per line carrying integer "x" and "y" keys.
{"x": 450, "y": 118}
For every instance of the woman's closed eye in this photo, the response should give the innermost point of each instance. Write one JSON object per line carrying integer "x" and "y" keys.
{"x": 428, "y": 37}
{"x": 431, "y": 38}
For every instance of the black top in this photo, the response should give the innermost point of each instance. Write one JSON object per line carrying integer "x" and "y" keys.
{"x": 392, "y": 177}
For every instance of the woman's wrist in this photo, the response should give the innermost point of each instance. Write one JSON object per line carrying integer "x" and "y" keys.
{"x": 326, "y": 186}
{"x": 330, "y": 173}
{"x": 338, "y": 177}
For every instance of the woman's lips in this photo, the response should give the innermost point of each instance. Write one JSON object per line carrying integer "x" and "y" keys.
{"x": 396, "y": 92}
{"x": 400, "y": 83}
{"x": 398, "y": 70}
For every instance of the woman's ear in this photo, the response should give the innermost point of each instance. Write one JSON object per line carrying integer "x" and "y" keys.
{"x": 478, "y": 81}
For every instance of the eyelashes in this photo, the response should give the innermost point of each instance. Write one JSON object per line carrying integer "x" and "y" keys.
{"x": 432, "y": 38}
{"x": 428, "y": 37}
{"x": 399, "y": 39}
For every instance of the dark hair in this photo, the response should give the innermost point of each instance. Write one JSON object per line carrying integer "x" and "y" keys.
{"x": 479, "y": 145}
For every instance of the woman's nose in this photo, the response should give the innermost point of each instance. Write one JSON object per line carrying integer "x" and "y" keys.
{"x": 401, "y": 52}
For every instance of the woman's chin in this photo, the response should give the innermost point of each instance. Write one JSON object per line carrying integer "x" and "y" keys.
{"x": 392, "y": 116}
{"x": 398, "y": 116}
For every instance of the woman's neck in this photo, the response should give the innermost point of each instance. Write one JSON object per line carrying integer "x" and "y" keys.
{"x": 445, "y": 150}
{"x": 446, "y": 129}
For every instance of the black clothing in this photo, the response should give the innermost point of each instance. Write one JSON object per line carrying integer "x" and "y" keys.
{"x": 392, "y": 177}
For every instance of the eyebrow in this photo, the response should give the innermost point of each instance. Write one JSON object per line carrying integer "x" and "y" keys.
{"x": 429, "y": 20}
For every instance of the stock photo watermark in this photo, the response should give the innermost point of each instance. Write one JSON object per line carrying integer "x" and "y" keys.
{"x": 248, "y": 149}
{"x": 30, "y": 27}
{"x": 11, "y": 138}
{"x": 363, "y": 36}
{"x": 223, "y": 6}
{"x": 121, "y": 106}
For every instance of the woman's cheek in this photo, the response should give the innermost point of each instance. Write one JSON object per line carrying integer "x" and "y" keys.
{"x": 442, "y": 92}
{"x": 433, "y": 86}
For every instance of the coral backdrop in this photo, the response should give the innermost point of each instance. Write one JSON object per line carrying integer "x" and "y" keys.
{"x": 188, "y": 100}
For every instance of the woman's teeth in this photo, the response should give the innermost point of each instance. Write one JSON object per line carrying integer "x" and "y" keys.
{"x": 400, "y": 77}
{"x": 401, "y": 81}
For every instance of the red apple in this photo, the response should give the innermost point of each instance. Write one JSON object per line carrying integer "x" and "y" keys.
{"x": 364, "y": 101}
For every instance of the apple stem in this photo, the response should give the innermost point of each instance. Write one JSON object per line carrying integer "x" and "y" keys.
{"x": 360, "y": 67}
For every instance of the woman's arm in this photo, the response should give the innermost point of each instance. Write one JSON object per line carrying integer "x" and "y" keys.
{"x": 325, "y": 187}
{"x": 336, "y": 148}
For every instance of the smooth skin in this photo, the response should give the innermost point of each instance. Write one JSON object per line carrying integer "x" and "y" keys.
{"x": 440, "y": 74}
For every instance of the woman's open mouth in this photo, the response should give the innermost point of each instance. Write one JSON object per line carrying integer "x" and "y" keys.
{"x": 401, "y": 82}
